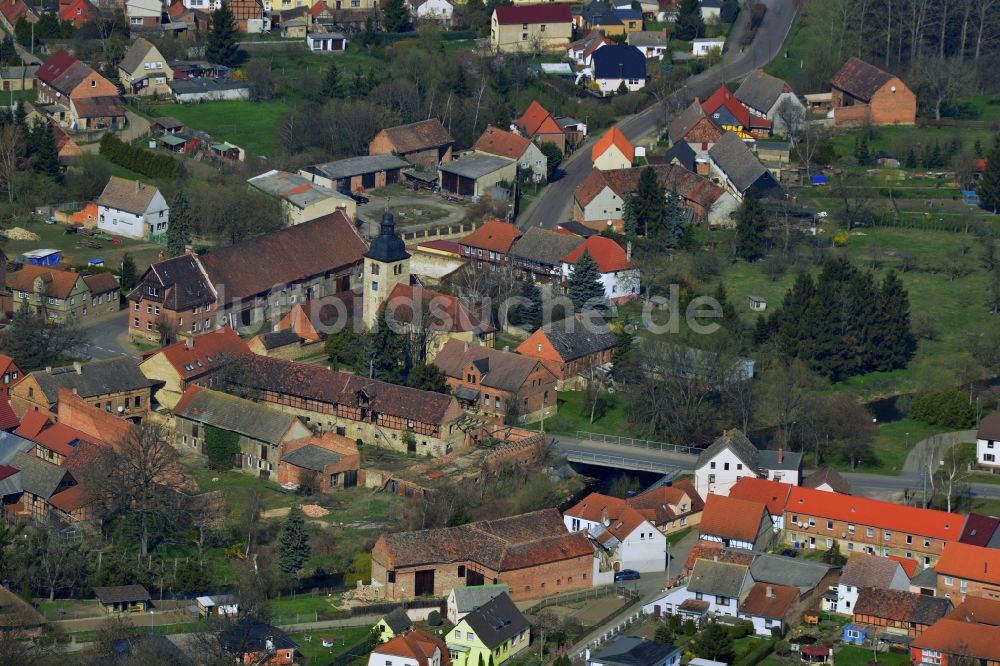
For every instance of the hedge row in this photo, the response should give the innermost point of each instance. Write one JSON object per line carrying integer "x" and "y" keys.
{"x": 755, "y": 655}
{"x": 137, "y": 159}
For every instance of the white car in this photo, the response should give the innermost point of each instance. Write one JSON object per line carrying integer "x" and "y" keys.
{"x": 822, "y": 214}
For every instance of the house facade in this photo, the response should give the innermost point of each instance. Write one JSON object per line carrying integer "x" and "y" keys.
{"x": 530, "y": 28}
{"x": 624, "y": 538}
{"x": 733, "y": 456}
{"x": 861, "y": 571}
{"x": 62, "y": 296}
{"x": 133, "y": 209}
{"x": 529, "y": 157}
{"x": 538, "y": 125}
{"x": 144, "y": 71}
{"x": 174, "y": 297}
{"x": 988, "y": 442}
{"x": 490, "y": 244}
{"x": 570, "y": 348}
{"x": 713, "y": 587}
{"x": 494, "y": 632}
{"x": 966, "y": 571}
{"x": 115, "y": 385}
{"x": 896, "y": 612}
{"x": 425, "y": 143}
{"x": 83, "y": 98}
{"x": 736, "y": 523}
{"x": 620, "y": 278}
{"x": 617, "y": 67}
{"x": 193, "y": 360}
{"x": 862, "y": 93}
{"x": 613, "y": 151}
{"x": 763, "y": 94}
{"x": 302, "y": 199}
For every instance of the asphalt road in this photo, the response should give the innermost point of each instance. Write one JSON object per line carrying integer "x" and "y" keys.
{"x": 107, "y": 338}
{"x": 553, "y": 205}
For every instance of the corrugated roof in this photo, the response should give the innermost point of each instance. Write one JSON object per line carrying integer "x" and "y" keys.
{"x": 311, "y": 457}
{"x": 795, "y": 572}
{"x": 229, "y": 412}
{"x": 475, "y": 166}
{"x": 358, "y": 166}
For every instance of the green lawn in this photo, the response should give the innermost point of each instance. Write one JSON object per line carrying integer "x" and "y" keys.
{"x": 316, "y": 654}
{"x": 855, "y": 656}
{"x": 574, "y": 415}
{"x": 675, "y": 537}
{"x": 895, "y": 140}
{"x": 249, "y": 125}
{"x": 987, "y": 105}
{"x": 235, "y": 486}
{"x": 893, "y": 442}
{"x": 53, "y": 236}
{"x": 67, "y": 609}
{"x": 292, "y": 610}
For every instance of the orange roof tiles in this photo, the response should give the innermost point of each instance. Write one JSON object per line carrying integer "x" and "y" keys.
{"x": 207, "y": 352}
{"x": 875, "y": 513}
{"x": 536, "y": 120}
{"x": 621, "y": 519}
{"x": 977, "y": 609}
{"x": 613, "y": 137}
{"x": 772, "y": 606}
{"x": 8, "y": 419}
{"x": 495, "y": 235}
{"x": 58, "y": 283}
{"x": 70, "y": 499}
{"x": 415, "y": 644}
{"x": 773, "y": 494}
{"x": 965, "y": 638}
{"x": 609, "y": 255}
{"x": 495, "y": 141}
{"x": 732, "y": 518}
{"x": 968, "y": 562}
{"x": 908, "y": 563}
{"x": 438, "y": 312}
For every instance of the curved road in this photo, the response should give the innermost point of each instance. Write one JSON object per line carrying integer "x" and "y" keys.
{"x": 553, "y": 204}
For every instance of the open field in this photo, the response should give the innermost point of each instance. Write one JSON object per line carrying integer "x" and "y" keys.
{"x": 249, "y": 125}
{"x": 574, "y": 415}
{"x": 342, "y": 638}
{"x": 53, "y": 236}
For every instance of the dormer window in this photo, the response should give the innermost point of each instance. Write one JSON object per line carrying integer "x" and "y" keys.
{"x": 93, "y": 83}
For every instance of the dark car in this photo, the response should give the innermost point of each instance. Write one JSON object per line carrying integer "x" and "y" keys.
{"x": 360, "y": 198}
{"x": 627, "y": 574}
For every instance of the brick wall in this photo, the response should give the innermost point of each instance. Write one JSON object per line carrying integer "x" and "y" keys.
{"x": 551, "y": 578}
{"x": 974, "y": 588}
{"x": 885, "y": 107}
{"x": 858, "y": 541}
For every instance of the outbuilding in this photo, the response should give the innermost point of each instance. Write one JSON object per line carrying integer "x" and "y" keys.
{"x": 474, "y": 175}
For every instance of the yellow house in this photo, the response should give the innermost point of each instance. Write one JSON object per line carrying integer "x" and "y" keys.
{"x": 144, "y": 71}
{"x": 530, "y": 28}
{"x": 492, "y": 634}
{"x": 392, "y": 625}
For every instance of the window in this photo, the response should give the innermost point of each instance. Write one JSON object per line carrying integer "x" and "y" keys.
{"x": 135, "y": 20}
{"x": 374, "y": 268}
{"x": 725, "y": 466}
{"x": 710, "y": 466}
{"x": 909, "y": 538}
{"x": 469, "y": 636}
{"x": 869, "y": 532}
{"x": 963, "y": 586}
{"x": 927, "y": 543}
{"x": 458, "y": 634}
{"x": 461, "y": 571}
{"x": 739, "y": 465}
{"x": 722, "y": 601}
{"x": 949, "y": 581}
{"x": 888, "y": 536}
{"x": 829, "y": 524}
{"x": 829, "y": 543}
{"x": 850, "y": 546}
{"x": 541, "y": 28}
{"x": 524, "y": 36}
{"x": 374, "y": 285}
{"x": 391, "y": 577}
{"x": 397, "y": 269}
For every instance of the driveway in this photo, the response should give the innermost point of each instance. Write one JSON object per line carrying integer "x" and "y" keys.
{"x": 371, "y": 212}
{"x": 108, "y": 338}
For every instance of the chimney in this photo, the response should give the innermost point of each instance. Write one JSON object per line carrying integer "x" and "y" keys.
{"x": 188, "y": 249}
{"x": 628, "y": 252}
{"x": 604, "y": 516}
{"x": 48, "y": 369}
{"x": 466, "y": 346}
{"x": 769, "y": 591}
{"x": 781, "y": 455}
{"x": 188, "y": 340}
{"x": 78, "y": 367}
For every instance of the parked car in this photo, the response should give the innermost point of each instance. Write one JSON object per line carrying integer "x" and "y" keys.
{"x": 627, "y": 574}
{"x": 360, "y": 198}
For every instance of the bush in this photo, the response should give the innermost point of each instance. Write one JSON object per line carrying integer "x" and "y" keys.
{"x": 949, "y": 407}
{"x": 220, "y": 447}
{"x": 755, "y": 655}
{"x": 140, "y": 160}
{"x": 434, "y": 619}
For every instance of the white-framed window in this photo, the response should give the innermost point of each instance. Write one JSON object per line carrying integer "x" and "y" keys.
{"x": 135, "y": 20}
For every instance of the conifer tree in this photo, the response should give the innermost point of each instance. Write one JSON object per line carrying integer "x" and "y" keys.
{"x": 585, "y": 288}
{"x": 181, "y": 225}
{"x": 790, "y": 322}
{"x": 129, "y": 276}
{"x": 750, "y": 227}
{"x": 670, "y": 230}
{"x": 293, "y": 544}
{"x": 989, "y": 182}
{"x": 648, "y": 202}
{"x": 690, "y": 24}
{"x": 396, "y": 17}
{"x": 893, "y": 328}
{"x": 529, "y": 315}
{"x": 222, "y": 47}
{"x": 331, "y": 88}
{"x": 383, "y": 353}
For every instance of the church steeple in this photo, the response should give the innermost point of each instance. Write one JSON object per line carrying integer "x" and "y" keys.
{"x": 387, "y": 264}
{"x": 387, "y": 247}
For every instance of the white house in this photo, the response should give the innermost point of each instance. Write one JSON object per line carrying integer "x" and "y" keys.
{"x": 625, "y": 539}
{"x": 616, "y": 66}
{"x": 463, "y": 599}
{"x": 440, "y": 11}
{"x": 132, "y": 209}
{"x": 701, "y": 47}
{"x": 143, "y": 12}
{"x": 988, "y": 441}
{"x": 711, "y": 10}
{"x": 527, "y": 154}
{"x": 772, "y": 494}
{"x": 412, "y": 648}
{"x": 613, "y": 151}
{"x": 713, "y": 587}
{"x": 762, "y": 94}
{"x": 733, "y": 456}
{"x": 620, "y": 278}
{"x": 326, "y": 42}
{"x": 864, "y": 570}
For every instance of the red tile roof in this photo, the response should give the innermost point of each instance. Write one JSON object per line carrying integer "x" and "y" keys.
{"x": 441, "y": 313}
{"x": 732, "y": 518}
{"x": 613, "y": 137}
{"x": 78, "y": 11}
{"x": 547, "y": 13}
{"x": 55, "y": 66}
{"x": 495, "y": 235}
{"x": 69, "y": 500}
{"x": 724, "y": 97}
{"x": 875, "y": 513}
{"x": 14, "y": 9}
{"x": 420, "y": 135}
{"x": 772, "y": 494}
{"x": 207, "y": 352}
{"x": 690, "y": 186}
{"x": 495, "y": 141}
{"x": 774, "y": 606}
{"x": 908, "y": 563}
{"x": 860, "y": 79}
{"x": 535, "y": 119}
{"x": 713, "y": 550}
{"x": 58, "y": 283}
{"x": 657, "y": 504}
{"x": 609, "y": 255}
{"x": 964, "y": 638}
{"x": 417, "y": 645}
{"x": 52, "y": 436}
{"x": 621, "y": 519}
{"x": 8, "y": 419}
{"x": 978, "y": 610}
{"x": 969, "y": 562}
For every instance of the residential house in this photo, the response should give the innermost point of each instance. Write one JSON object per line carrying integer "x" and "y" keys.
{"x": 495, "y": 632}
{"x": 83, "y": 99}
{"x": 979, "y": 530}
{"x": 599, "y": 201}
{"x": 302, "y": 199}
{"x": 394, "y": 624}
{"x": 617, "y": 67}
{"x": 497, "y": 383}
{"x": 295, "y": 26}
{"x": 529, "y": 157}
{"x": 282, "y": 344}
{"x": 652, "y": 44}
{"x": 260, "y": 431}
{"x": 147, "y": 13}
{"x": 10, "y": 374}
{"x": 530, "y": 28}
{"x": 731, "y": 116}
{"x": 898, "y": 612}
{"x": 736, "y": 523}
{"x": 951, "y": 642}
{"x": 143, "y": 70}
{"x": 58, "y": 294}
{"x": 490, "y": 244}
{"x": 464, "y": 599}
{"x": 356, "y": 174}
{"x": 533, "y": 553}
{"x": 255, "y": 642}
{"x": 115, "y": 385}
{"x": 170, "y": 293}
{"x": 713, "y": 587}
{"x": 619, "y": 275}
{"x": 328, "y": 462}
{"x": 693, "y": 127}
{"x": 988, "y": 442}
{"x": 538, "y": 125}
{"x": 711, "y": 10}
{"x": 965, "y": 571}
{"x": 77, "y": 12}
{"x": 251, "y": 15}
{"x": 820, "y": 519}
{"x": 406, "y": 419}
{"x": 763, "y": 94}
{"x": 439, "y": 11}
{"x": 624, "y": 538}
{"x": 329, "y": 42}
{"x": 123, "y": 599}
{"x": 738, "y": 170}
{"x": 413, "y": 648}
{"x": 17, "y": 77}
{"x": 425, "y": 143}
{"x": 218, "y": 605}
{"x": 867, "y": 571}
{"x": 772, "y": 494}
{"x": 703, "y": 47}
{"x": 571, "y": 348}
{"x": 12, "y": 10}
{"x": 580, "y": 51}
{"x": 539, "y": 253}
{"x": 132, "y": 209}
{"x": 193, "y": 360}
{"x": 613, "y": 151}
{"x": 632, "y": 651}
{"x": 670, "y": 508}
{"x": 476, "y": 174}
{"x": 828, "y": 480}
{"x": 615, "y": 21}
{"x": 770, "y": 607}
{"x": 862, "y": 93}
{"x": 105, "y": 292}
{"x": 196, "y": 91}
{"x": 34, "y": 487}
{"x": 733, "y": 456}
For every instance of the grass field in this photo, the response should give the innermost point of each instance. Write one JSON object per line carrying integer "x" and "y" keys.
{"x": 249, "y": 125}
{"x": 316, "y": 654}
{"x": 52, "y": 236}
{"x": 987, "y": 105}
{"x": 855, "y": 656}
{"x": 574, "y": 415}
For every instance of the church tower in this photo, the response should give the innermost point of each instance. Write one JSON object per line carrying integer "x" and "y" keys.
{"x": 386, "y": 264}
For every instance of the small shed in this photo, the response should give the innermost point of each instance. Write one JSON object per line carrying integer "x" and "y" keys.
{"x": 474, "y": 175}
{"x": 856, "y": 633}
{"x": 123, "y": 599}
{"x": 175, "y": 143}
{"x": 816, "y": 654}
{"x": 227, "y": 150}
{"x": 217, "y": 605}
{"x": 46, "y": 257}
{"x": 166, "y": 125}
{"x": 326, "y": 42}
{"x": 757, "y": 303}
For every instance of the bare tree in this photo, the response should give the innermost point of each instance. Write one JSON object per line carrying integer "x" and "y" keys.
{"x": 787, "y": 388}
{"x": 953, "y": 472}
{"x": 941, "y": 79}
{"x": 928, "y": 457}
{"x": 790, "y": 116}
{"x": 11, "y": 151}
{"x": 806, "y": 143}
{"x": 57, "y": 561}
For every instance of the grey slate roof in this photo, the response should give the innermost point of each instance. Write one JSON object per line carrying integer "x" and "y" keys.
{"x": 830, "y": 477}
{"x": 356, "y": 166}
{"x": 275, "y": 339}
{"x": 574, "y": 339}
{"x": 468, "y": 599}
{"x": 94, "y": 378}
{"x": 135, "y": 55}
{"x": 11, "y": 445}
{"x": 760, "y": 91}
{"x": 38, "y": 476}
{"x": 647, "y": 38}
{"x": 497, "y": 621}
{"x": 925, "y": 578}
{"x": 398, "y": 620}
{"x": 632, "y": 651}
{"x": 869, "y": 571}
{"x": 780, "y": 570}
{"x": 719, "y": 578}
{"x": 475, "y": 166}
{"x": 685, "y": 120}
{"x": 683, "y": 153}
{"x": 738, "y": 443}
{"x": 790, "y": 460}
{"x": 311, "y": 457}
{"x": 502, "y": 370}
{"x": 544, "y": 246}
{"x": 737, "y": 161}
{"x": 230, "y": 412}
